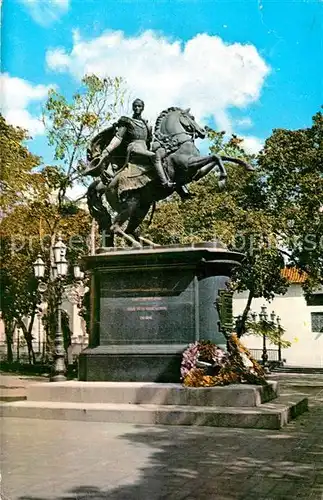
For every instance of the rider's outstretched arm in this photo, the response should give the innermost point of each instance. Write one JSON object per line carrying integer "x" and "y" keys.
{"x": 115, "y": 141}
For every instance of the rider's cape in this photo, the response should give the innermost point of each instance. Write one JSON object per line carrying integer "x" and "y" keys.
{"x": 129, "y": 178}
{"x": 100, "y": 142}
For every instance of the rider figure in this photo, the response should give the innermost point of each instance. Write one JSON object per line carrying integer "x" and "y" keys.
{"x": 137, "y": 134}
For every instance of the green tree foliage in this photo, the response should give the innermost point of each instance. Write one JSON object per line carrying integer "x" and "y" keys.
{"x": 274, "y": 333}
{"x": 29, "y": 224}
{"x": 20, "y": 184}
{"x": 25, "y": 232}
{"x": 19, "y": 295}
{"x": 70, "y": 125}
{"x": 18, "y": 179}
{"x": 291, "y": 164}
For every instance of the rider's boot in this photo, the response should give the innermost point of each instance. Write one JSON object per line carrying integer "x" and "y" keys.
{"x": 165, "y": 182}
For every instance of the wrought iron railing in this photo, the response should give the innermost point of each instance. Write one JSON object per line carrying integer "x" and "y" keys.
{"x": 273, "y": 354}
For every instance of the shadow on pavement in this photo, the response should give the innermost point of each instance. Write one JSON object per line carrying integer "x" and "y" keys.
{"x": 187, "y": 463}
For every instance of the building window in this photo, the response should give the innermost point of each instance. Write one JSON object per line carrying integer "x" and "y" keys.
{"x": 317, "y": 321}
{"x": 315, "y": 300}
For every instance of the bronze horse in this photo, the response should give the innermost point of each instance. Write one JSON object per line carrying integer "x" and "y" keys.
{"x": 134, "y": 189}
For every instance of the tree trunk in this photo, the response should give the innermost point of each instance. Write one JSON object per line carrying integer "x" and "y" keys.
{"x": 9, "y": 349}
{"x": 28, "y": 338}
{"x": 241, "y": 328}
{"x": 30, "y": 328}
{"x": 9, "y": 330}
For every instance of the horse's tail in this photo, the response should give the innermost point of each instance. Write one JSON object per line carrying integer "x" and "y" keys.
{"x": 96, "y": 207}
{"x": 243, "y": 163}
{"x": 92, "y": 198}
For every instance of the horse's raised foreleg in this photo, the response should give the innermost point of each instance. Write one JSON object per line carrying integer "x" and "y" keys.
{"x": 223, "y": 172}
{"x": 203, "y": 168}
{"x": 204, "y": 165}
{"x": 243, "y": 163}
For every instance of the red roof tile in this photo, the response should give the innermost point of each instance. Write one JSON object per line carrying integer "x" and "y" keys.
{"x": 293, "y": 275}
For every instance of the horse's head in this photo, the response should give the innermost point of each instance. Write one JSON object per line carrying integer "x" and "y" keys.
{"x": 175, "y": 121}
{"x": 188, "y": 122}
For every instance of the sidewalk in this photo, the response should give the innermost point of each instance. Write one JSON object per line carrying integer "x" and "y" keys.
{"x": 12, "y": 380}
{"x": 13, "y": 387}
{"x": 60, "y": 460}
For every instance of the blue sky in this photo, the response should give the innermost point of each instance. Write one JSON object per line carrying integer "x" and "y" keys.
{"x": 246, "y": 66}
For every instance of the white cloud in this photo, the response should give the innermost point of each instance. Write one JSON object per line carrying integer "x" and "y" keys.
{"x": 244, "y": 122}
{"x": 204, "y": 73}
{"x": 252, "y": 144}
{"x": 76, "y": 192}
{"x": 16, "y": 95}
{"x": 45, "y": 12}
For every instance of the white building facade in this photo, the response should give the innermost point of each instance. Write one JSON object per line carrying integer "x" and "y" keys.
{"x": 302, "y": 321}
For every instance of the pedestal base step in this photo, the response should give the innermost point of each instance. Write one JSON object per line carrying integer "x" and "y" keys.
{"x": 273, "y": 415}
{"x": 13, "y": 394}
{"x": 240, "y": 395}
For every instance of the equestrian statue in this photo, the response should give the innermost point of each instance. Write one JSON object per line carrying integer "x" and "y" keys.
{"x": 134, "y": 167}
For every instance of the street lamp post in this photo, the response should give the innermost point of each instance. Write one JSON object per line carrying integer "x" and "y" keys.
{"x": 271, "y": 329}
{"x": 279, "y": 340}
{"x": 59, "y": 371}
{"x": 58, "y": 271}
{"x": 263, "y": 318}
{"x": 59, "y": 251}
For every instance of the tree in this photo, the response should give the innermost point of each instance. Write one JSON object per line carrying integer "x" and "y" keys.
{"x": 17, "y": 177}
{"x": 25, "y": 232}
{"x": 71, "y": 125}
{"x": 19, "y": 299}
{"x": 291, "y": 164}
{"x": 30, "y": 221}
{"x": 19, "y": 182}
{"x": 274, "y": 333}
{"x": 19, "y": 287}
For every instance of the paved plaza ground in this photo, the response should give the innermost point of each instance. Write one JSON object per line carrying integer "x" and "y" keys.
{"x": 64, "y": 460}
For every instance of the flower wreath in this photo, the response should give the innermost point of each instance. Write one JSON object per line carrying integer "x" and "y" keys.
{"x": 204, "y": 364}
{"x": 202, "y": 354}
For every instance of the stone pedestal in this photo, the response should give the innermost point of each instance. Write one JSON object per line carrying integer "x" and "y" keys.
{"x": 147, "y": 305}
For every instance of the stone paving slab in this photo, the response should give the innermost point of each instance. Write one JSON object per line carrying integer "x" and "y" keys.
{"x": 63, "y": 460}
{"x": 306, "y": 377}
